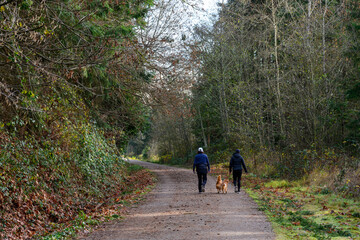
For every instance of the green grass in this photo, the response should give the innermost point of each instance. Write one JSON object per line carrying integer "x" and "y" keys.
{"x": 134, "y": 168}
{"x": 81, "y": 222}
{"x": 278, "y": 184}
{"x": 302, "y": 212}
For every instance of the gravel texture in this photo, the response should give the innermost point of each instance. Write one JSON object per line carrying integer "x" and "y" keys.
{"x": 175, "y": 210}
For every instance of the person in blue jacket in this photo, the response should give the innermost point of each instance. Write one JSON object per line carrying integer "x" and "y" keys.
{"x": 237, "y": 163}
{"x": 202, "y": 165}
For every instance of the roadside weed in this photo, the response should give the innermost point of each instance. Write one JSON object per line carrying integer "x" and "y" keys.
{"x": 305, "y": 212}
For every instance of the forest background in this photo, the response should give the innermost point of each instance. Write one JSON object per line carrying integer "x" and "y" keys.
{"x": 278, "y": 80}
{"x": 84, "y": 82}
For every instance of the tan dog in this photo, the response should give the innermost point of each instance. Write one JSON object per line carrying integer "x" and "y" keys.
{"x": 224, "y": 186}
{"x": 219, "y": 184}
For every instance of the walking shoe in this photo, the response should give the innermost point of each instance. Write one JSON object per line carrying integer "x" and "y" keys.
{"x": 235, "y": 189}
{"x": 203, "y": 189}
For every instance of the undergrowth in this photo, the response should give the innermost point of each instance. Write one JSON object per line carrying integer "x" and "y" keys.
{"x": 140, "y": 183}
{"x": 49, "y": 182}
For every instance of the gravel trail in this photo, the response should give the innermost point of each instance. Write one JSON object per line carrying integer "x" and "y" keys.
{"x": 175, "y": 210}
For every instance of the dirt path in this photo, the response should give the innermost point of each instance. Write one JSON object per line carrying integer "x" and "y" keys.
{"x": 175, "y": 210}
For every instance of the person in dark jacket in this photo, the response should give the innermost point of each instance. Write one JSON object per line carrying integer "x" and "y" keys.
{"x": 236, "y": 165}
{"x": 202, "y": 165}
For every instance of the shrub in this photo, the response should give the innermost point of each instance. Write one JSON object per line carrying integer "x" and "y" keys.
{"x": 278, "y": 184}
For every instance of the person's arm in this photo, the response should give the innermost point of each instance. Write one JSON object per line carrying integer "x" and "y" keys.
{"x": 231, "y": 164}
{"x": 208, "y": 163}
{"x": 243, "y": 164}
{"x": 194, "y": 165}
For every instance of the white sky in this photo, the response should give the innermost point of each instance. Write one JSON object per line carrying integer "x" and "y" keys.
{"x": 210, "y": 7}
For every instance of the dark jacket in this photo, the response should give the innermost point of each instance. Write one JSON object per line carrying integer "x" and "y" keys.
{"x": 201, "y": 163}
{"x": 237, "y": 162}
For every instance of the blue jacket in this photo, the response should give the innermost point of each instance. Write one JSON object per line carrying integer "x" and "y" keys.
{"x": 237, "y": 162}
{"x": 201, "y": 163}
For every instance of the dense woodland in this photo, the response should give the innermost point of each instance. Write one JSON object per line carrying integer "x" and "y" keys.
{"x": 72, "y": 75}
{"x": 281, "y": 79}
{"x": 278, "y": 80}
{"x": 84, "y": 82}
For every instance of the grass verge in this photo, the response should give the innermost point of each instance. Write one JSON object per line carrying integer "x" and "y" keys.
{"x": 302, "y": 212}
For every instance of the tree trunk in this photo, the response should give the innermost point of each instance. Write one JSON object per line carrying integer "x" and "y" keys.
{"x": 310, "y": 59}
{"x": 202, "y": 128}
{"x": 323, "y": 37}
{"x": 278, "y": 91}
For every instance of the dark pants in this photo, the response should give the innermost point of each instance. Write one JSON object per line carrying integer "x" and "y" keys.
{"x": 202, "y": 178}
{"x": 237, "y": 178}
